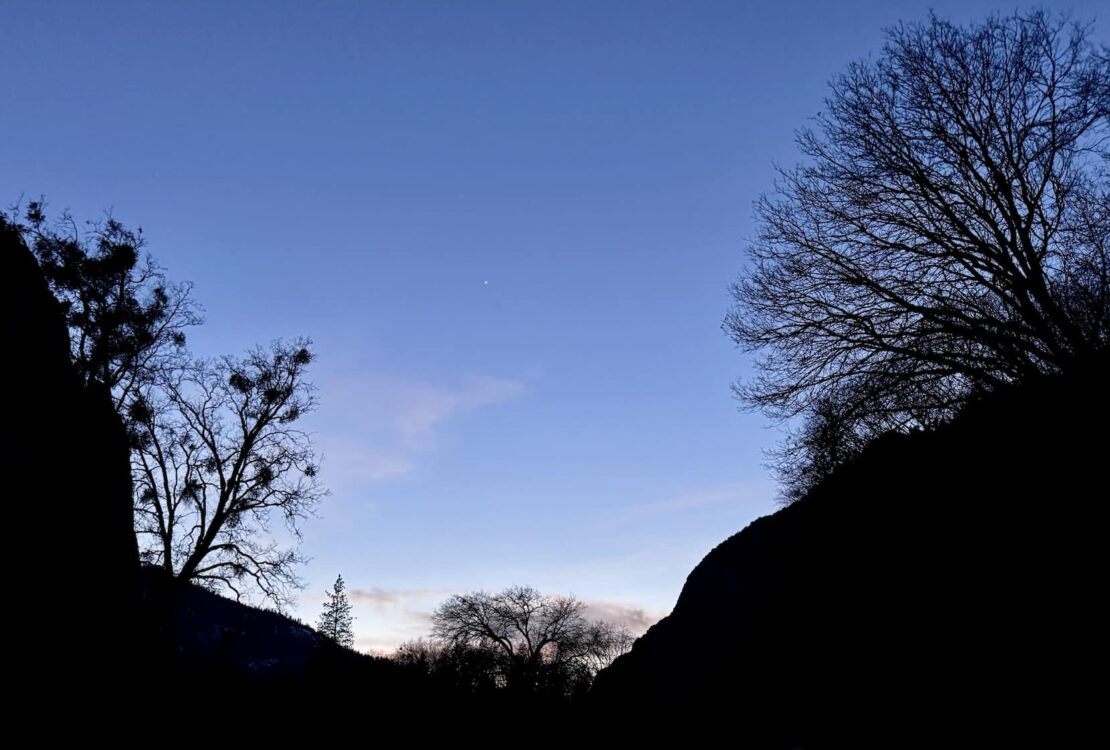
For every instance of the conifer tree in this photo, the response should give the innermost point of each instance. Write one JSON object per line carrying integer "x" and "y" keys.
{"x": 336, "y": 619}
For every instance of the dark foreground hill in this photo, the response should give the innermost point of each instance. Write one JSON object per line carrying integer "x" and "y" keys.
{"x": 944, "y": 585}
{"x": 210, "y": 635}
{"x": 259, "y": 653}
{"x": 70, "y": 544}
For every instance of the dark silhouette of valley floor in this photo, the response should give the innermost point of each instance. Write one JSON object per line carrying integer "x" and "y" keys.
{"x": 946, "y": 584}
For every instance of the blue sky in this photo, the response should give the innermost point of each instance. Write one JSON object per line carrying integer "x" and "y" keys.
{"x": 358, "y": 171}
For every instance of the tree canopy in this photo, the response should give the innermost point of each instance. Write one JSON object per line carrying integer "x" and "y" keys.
{"x": 946, "y": 234}
{"x": 127, "y": 320}
{"x": 529, "y": 642}
{"x": 218, "y": 457}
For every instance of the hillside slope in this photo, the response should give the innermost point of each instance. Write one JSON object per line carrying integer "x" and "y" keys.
{"x": 215, "y": 634}
{"x": 263, "y": 657}
{"x": 67, "y": 481}
{"x": 944, "y": 581}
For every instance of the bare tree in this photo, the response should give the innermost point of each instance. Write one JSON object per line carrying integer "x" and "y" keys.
{"x": 604, "y": 643}
{"x": 948, "y": 233}
{"x": 218, "y": 458}
{"x": 544, "y": 642}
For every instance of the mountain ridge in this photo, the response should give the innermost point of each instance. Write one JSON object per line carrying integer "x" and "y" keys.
{"x": 935, "y": 570}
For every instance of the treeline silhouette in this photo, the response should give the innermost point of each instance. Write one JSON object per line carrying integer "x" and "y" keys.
{"x": 517, "y": 642}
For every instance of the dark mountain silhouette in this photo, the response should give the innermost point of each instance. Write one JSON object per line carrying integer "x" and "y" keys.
{"x": 217, "y": 634}
{"x": 67, "y": 481}
{"x": 216, "y": 639}
{"x": 945, "y": 584}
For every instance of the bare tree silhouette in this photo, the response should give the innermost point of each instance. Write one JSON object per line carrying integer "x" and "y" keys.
{"x": 538, "y": 642}
{"x": 217, "y": 458}
{"x": 948, "y": 233}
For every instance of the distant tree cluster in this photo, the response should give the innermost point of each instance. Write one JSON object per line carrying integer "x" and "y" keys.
{"x": 947, "y": 235}
{"x": 217, "y": 456}
{"x": 519, "y": 641}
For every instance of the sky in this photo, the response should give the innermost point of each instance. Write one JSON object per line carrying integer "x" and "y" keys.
{"x": 508, "y": 227}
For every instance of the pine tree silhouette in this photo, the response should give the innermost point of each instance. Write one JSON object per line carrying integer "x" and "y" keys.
{"x": 336, "y": 619}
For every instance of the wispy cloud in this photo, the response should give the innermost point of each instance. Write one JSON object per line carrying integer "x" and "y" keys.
{"x": 354, "y": 462}
{"x": 383, "y": 599}
{"x": 380, "y": 646}
{"x": 636, "y": 619}
{"x": 386, "y": 618}
{"x": 703, "y": 498}
{"x": 425, "y": 407}
{"x": 375, "y": 428}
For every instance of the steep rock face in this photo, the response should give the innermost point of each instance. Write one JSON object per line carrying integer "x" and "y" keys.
{"x": 950, "y": 581}
{"x": 72, "y": 551}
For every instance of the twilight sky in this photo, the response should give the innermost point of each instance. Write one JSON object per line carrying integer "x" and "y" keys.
{"x": 508, "y": 227}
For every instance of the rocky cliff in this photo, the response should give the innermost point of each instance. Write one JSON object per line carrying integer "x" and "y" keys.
{"x": 72, "y": 558}
{"x": 945, "y": 584}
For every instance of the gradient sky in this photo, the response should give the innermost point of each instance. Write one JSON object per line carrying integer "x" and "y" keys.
{"x": 358, "y": 171}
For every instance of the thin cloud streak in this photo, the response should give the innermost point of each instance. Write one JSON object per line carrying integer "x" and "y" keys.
{"x": 386, "y": 618}
{"x": 383, "y": 599}
{"x": 379, "y": 428}
{"x": 703, "y": 498}
{"x": 426, "y": 407}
